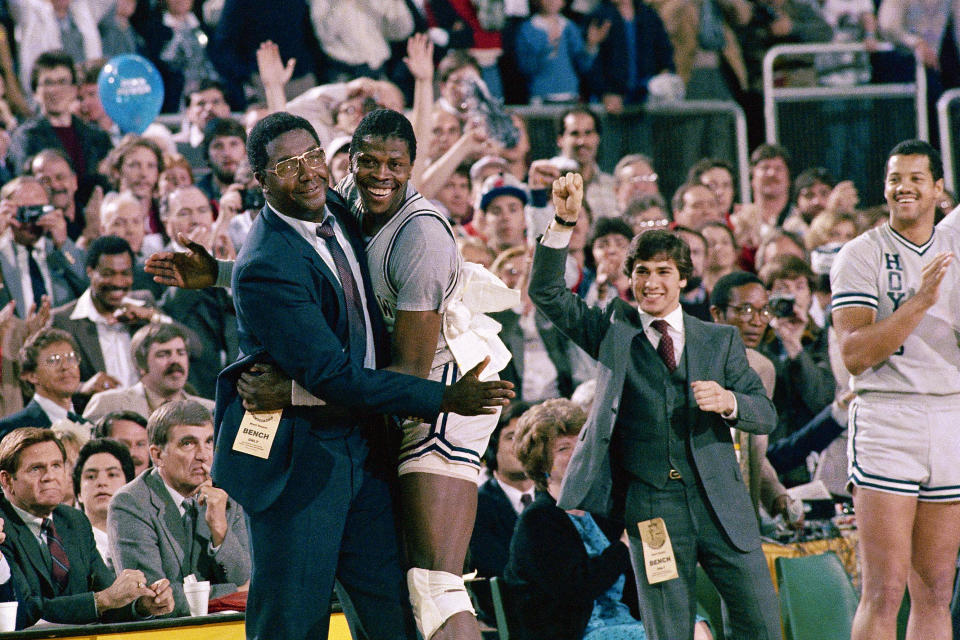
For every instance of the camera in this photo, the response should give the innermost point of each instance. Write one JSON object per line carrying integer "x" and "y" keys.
{"x": 781, "y": 305}
{"x": 29, "y": 214}
{"x": 252, "y": 199}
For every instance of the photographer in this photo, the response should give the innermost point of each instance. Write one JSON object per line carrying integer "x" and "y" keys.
{"x": 37, "y": 258}
{"x": 798, "y": 348}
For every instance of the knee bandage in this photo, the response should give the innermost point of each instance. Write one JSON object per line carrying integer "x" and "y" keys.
{"x": 435, "y": 596}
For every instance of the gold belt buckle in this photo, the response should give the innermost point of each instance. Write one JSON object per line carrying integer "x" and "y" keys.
{"x": 674, "y": 475}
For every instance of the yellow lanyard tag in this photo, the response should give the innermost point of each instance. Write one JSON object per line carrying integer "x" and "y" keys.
{"x": 658, "y": 558}
{"x": 257, "y": 432}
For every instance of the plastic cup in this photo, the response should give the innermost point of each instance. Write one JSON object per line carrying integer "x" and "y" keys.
{"x": 8, "y": 616}
{"x": 198, "y": 597}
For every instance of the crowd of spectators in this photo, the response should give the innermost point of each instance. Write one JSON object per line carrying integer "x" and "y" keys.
{"x": 108, "y": 378}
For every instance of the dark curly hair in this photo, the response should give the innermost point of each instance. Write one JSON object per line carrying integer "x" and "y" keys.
{"x": 382, "y": 124}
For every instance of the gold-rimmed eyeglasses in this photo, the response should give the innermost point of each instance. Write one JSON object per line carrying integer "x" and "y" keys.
{"x": 312, "y": 159}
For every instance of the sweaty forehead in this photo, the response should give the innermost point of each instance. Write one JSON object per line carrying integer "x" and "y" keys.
{"x": 391, "y": 146}
{"x": 30, "y": 192}
{"x": 188, "y": 196}
{"x": 50, "y": 163}
{"x": 289, "y": 144}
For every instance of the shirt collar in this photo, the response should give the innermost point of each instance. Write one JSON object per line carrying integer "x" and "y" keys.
{"x": 189, "y": 21}
{"x": 306, "y": 229}
{"x": 674, "y": 319}
{"x": 33, "y": 522}
{"x": 54, "y": 411}
{"x": 513, "y": 494}
{"x": 177, "y": 497}
{"x": 85, "y": 310}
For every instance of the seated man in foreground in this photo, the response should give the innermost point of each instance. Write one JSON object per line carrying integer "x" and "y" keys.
{"x": 58, "y": 573}
{"x": 172, "y": 522}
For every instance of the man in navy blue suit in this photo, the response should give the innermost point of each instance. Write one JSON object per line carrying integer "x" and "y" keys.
{"x": 500, "y": 500}
{"x": 316, "y": 509}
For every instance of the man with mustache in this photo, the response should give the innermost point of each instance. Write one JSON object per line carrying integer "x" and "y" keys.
{"x": 163, "y": 361}
{"x": 171, "y": 522}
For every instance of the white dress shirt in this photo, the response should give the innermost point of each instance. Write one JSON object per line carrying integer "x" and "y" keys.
{"x": 114, "y": 339}
{"x": 53, "y": 410}
{"x": 514, "y": 495}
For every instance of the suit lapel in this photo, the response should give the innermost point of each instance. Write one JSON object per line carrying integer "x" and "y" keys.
{"x": 21, "y": 538}
{"x": 11, "y": 277}
{"x": 85, "y": 333}
{"x": 37, "y": 414}
{"x": 351, "y": 228}
{"x": 72, "y": 545}
{"x": 512, "y": 335}
{"x": 170, "y": 519}
{"x": 697, "y": 353}
{"x": 302, "y": 247}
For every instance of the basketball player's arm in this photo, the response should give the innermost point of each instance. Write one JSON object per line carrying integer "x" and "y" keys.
{"x": 865, "y": 343}
{"x": 414, "y": 342}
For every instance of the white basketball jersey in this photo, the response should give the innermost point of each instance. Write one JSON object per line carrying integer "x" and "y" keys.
{"x": 881, "y": 270}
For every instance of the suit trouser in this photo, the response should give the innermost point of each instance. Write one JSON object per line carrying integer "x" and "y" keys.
{"x": 346, "y": 533}
{"x": 668, "y": 608}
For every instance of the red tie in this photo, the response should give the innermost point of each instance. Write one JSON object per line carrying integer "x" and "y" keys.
{"x": 665, "y": 348}
{"x": 61, "y": 564}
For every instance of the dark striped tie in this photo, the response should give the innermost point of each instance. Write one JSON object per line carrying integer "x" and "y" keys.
{"x": 351, "y": 293}
{"x": 60, "y": 568}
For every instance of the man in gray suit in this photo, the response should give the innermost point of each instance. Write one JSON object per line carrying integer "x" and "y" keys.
{"x": 657, "y": 443}
{"x": 171, "y": 522}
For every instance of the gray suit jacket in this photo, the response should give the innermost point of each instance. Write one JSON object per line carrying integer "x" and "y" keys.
{"x": 67, "y": 275}
{"x": 713, "y": 352}
{"x": 147, "y": 533}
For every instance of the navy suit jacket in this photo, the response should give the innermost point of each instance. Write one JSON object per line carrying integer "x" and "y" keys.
{"x": 291, "y": 312}
{"x": 32, "y": 415}
{"x": 492, "y": 530}
{"x": 490, "y": 542}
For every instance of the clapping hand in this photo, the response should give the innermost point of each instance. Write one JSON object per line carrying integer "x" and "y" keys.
{"x": 271, "y": 67}
{"x": 192, "y": 269}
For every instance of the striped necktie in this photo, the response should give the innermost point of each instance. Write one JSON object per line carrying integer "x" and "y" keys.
{"x": 60, "y": 567}
{"x": 351, "y": 293}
